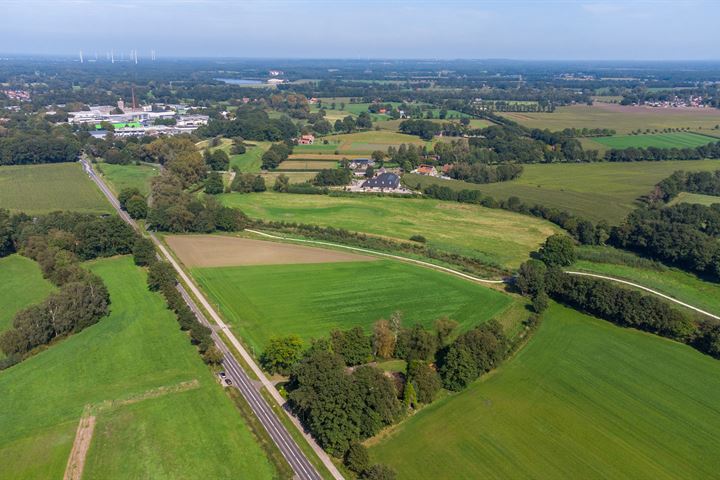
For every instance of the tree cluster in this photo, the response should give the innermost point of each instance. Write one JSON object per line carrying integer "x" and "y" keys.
{"x": 26, "y": 149}
{"x": 635, "y": 154}
{"x": 251, "y": 123}
{"x": 276, "y": 154}
{"x": 706, "y": 183}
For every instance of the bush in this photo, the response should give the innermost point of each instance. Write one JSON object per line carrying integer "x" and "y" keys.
{"x": 418, "y": 239}
{"x": 357, "y": 458}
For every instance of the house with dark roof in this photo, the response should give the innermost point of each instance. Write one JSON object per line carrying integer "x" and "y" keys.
{"x": 384, "y": 181}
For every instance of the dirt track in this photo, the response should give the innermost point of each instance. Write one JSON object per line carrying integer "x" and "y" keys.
{"x": 83, "y": 436}
{"x": 220, "y": 251}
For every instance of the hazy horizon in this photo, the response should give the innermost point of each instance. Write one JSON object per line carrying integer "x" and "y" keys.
{"x": 523, "y": 30}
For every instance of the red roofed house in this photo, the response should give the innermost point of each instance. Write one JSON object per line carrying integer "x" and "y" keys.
{"x": 306, "y": 140}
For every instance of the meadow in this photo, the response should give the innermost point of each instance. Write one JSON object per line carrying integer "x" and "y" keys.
{"x": 676, "y": 283}
{"x": 584, "y": 399}
{"x": 699, "y": 198}
{"x": 311, "y": 299}
{"x": 309, "y": 165}
{"x": 660, "y": 140}
{"x": 495, "y": 236}
{"x": 597, "y": 191}
{"x": 128, "y": 176}
{"x": 360, "y": 143}
{"x": 189, "y": 434}
{"x": 248, "y": 162}
{"x": 38, "y": 189}
{"x": 622, "y": 119}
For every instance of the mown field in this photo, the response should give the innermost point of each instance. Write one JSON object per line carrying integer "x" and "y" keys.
{"x": 248, "y": 162}
{"x": 678, "y": 284}
{"x": 623, "y": 119}
{"x": 686, "y": 197}
{"x": 197, "y": 433}
{"x": 360, "y": 143}
{"x": 660, "y": 140}
{"x": 496, "y": 236}
{"x": 21, "y": 285}
{"x": 584, "y": 399}
{"x": 38, "y": 189}
{"x": 311, "y": 299}
{"x": 598, "y": 191}
{"x": 128, "y": 176}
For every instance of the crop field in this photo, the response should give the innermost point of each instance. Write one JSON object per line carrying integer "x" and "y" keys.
{"x": 293, "y": 177}
{"x": 360, "y": 143}
{"x": 598, "y": 191}
{"x": 584, "y": 399}
{"x": 686, "y": 197}
{"x": 623, "y": 119}
{"x": 496, "y": 236}
{"x": 311, "y": 299}
{"x": 661, "y": 140}
{"x": 186, "y": 433}
{"x": 224, "y": 251}
{"x": 38, "y": 189}
{"x": 22, "y": 285}
{"x": 676, "y": 283}
{"x": 128, "y": 176}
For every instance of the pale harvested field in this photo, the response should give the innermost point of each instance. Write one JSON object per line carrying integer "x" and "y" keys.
{"x": 222, "y": 251}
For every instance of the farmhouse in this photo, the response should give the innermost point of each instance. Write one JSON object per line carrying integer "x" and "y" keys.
{"x": 425, "y": 169}
{"x": 360, "y": 163}
{"x": 384, "y": 181}
{"x": 306, "y": 140}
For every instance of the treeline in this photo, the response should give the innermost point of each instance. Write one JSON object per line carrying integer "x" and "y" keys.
{"x": 342, "y": 398}
{"x": 276, "y": 154}
{"x": 634, "y": 154}
{"x": 479, "y": 173}
{"x": 543, "y": 277}
{"x": 683, "y": 235}
{"x": 584, "y": 230}
{"x": 58, "y": 242}
{"x": 251, "y": 123}
{"x": 34, "y": 148}
{"x": 706, "y": 183}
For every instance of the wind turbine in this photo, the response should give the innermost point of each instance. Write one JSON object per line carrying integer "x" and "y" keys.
{"x": 81, "y": 57}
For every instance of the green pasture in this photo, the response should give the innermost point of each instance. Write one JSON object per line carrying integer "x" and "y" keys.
{"x": 495, "y": 236}
{"x": 584, "y": 399}
{"x": 621, "y": 119}
{"x": 598, "y": 191}
{"x": 38, "y": 189}
{"x": 360, "y": 143}
{"x": 686, "y": 197}
{"x": 311, "y": 299}
{"x": 251, "y": 160}
{"x": 191, "y": 434}
{"x": 661, "y": 140}
{"x": 128, "y": 176}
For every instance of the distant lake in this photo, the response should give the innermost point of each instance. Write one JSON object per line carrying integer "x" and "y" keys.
{"x": 239, "y": 81}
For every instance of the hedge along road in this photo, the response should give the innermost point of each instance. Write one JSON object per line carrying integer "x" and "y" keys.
{"x": 298, "y": 461}
{"x": 476, "y": 279}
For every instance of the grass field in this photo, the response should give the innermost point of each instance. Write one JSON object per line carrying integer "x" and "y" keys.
{"x": 310, "y": 165}
{"x": 598, "y": 191}
{"x": 673, "y": 282}
{"x": 584, "y": 399}
{"x": 128, "y": 176}
{"x": 661, "y": 140}
{"x": 251, "y": 160}
{"x": 623, "y": 119}
{"x": 496, "y": 236}
{"x": 38, "y": 189}
{"x": 310, "y": 300}
{"x": 686, "y": 197}
{"x": 360, "y": 143}
{"x": 22, "y": 285}
{"x": 192, "y": 434}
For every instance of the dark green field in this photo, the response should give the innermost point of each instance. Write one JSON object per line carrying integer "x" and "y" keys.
{"x": 585, "y": 399}
{"x": 311, "y": 299}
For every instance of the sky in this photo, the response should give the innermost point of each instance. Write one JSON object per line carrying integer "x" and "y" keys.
{"x": 442, "y": 29}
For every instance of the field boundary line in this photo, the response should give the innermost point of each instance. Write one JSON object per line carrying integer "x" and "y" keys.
{"x": 654, "y": 292}
{"x": 382, "y": 254}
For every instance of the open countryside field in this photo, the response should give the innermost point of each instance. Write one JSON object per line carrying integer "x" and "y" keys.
{"x": 38, "y": 189}
{"x": 360, "y": 143}
{"x": 623, "y": 119}
{"x": 310, "y": 165}
{"x": 598, "y": 191}
{"x": 584, "y": 399}
{"x": 495, "y": 236}
{"x": 128, "y": 176}
{"x": 139, "y": 347}
{"x": 225, "y": 251}
{"x": 676, "y": 283}
{"x": 310, "y": 300}
{"x": 686, "y": 197}
{"x": 661, "y": 140}
{"x": 248, "y": 162}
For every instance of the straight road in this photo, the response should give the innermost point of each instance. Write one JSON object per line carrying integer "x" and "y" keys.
{"x": 298, "y": 461}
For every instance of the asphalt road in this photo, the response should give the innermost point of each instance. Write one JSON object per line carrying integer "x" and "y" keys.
{"x": 286, "y": 444}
